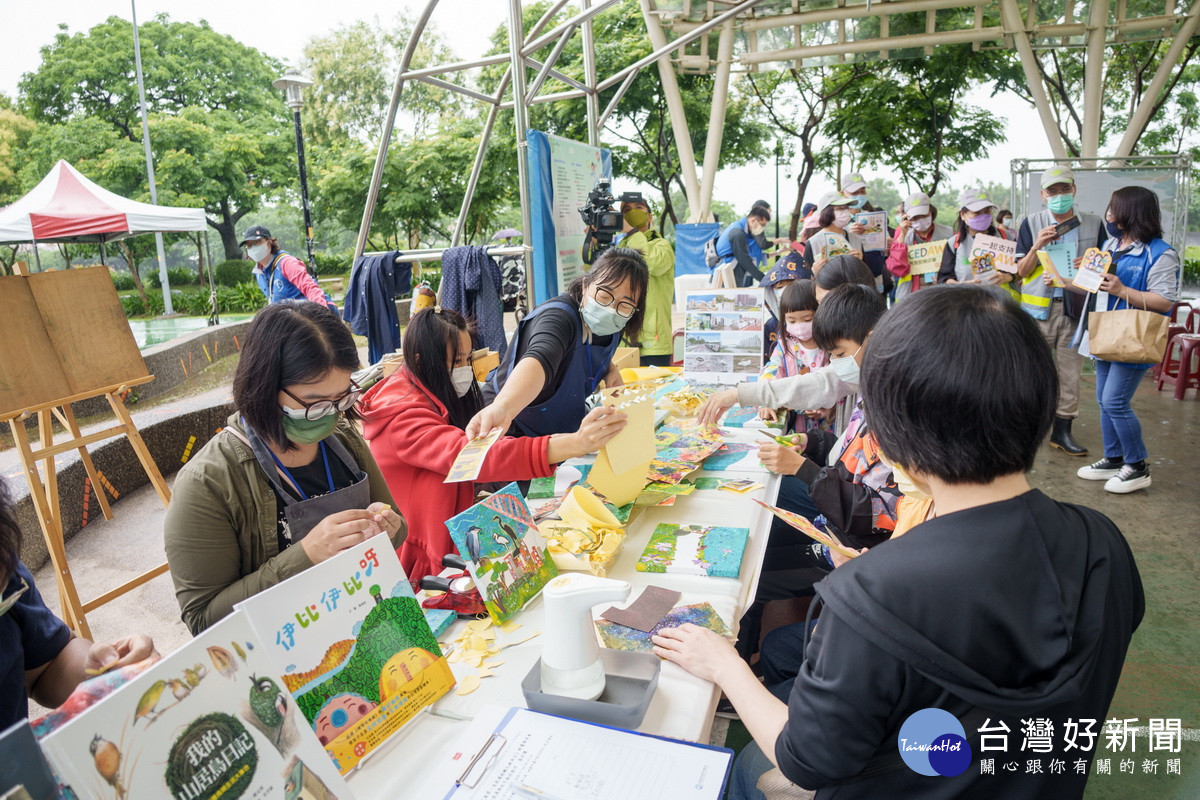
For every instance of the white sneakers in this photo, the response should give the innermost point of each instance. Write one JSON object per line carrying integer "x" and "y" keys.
{"x": 1118, "y": 477}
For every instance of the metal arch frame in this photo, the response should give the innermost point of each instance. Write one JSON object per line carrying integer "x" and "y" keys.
{"x": 1091, "y": 25}
{"x": 513, "y": 93}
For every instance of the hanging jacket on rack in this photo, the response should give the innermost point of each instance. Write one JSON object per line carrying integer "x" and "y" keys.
{"x": 471, "y": 286}
{"x": 371, "y": 301}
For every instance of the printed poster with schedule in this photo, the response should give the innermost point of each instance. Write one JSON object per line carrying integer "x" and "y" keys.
{"x": 723, "y": 336}
{"x": 575, "y": 168}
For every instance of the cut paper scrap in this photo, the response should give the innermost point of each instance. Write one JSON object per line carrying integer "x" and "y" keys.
{"x": 669, "y": 471}
{"x": 805, "y": 526}
{"x": 621, "y": 637}
{"x": 589, "y": 536}
{"x": 647, "y": 611}
{"x": 619, "y": 489}
{"x": 469, "y": 461}
{"x": 634, "y": 444}
{"x": 741, "y": 486}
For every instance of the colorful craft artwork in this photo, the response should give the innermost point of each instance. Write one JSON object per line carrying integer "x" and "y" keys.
{"x": 729, "y": 455}
{"x": 695, "y": 550}
{"x": 622, "y": 637}
{"x": 670, "y": 471}
{"x": 738, "y": 416}
{"x": 469, "y": 462}
{"x": 805, "y": 526}
{"x": 504, "y": 552}
{"x": 354, "y": 647}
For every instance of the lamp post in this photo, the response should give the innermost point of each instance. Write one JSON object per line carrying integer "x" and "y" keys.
{"x": 291, "y": 82}
{"x": 778, "y": 158}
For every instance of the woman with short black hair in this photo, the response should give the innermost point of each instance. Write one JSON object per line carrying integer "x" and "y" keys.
{"x": 562, "y": 351}
{"x": 289, "y": 468}
{"x": 1006, "y": 605}
{"x": 1145, "y": 275}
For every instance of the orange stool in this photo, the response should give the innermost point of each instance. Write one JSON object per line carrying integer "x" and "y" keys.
{"x": 1184, "y": 377}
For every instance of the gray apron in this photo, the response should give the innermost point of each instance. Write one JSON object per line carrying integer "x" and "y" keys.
{"x": 304, "y": 514}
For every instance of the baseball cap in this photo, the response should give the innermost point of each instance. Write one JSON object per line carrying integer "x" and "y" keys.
{"x": 1057, "y": 175}
{"x": 254, "y": 232}
{"x": 916, "y": 204}
{"x": 832, "y": 199}
{"x": 853, "y": 182}
{"x": 975, "y": 200}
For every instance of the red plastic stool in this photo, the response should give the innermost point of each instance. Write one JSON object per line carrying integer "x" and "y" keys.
{"x": 1184, "y": 377}
{"x": 1169, "y": 364}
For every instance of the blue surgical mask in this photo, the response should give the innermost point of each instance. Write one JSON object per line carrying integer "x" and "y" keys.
{"x": 846, "y": 368}
{"x": 858, "y": 200}
{"x": 1061, "y": 203}
{"x": 602, "y": 320}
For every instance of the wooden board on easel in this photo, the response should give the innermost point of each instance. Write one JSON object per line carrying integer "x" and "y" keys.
{"x": 64, "y": 335}
{"x": 67, "y": 339}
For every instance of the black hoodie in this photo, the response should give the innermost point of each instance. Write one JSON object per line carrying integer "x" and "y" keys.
{"x": 1022, "y": 608}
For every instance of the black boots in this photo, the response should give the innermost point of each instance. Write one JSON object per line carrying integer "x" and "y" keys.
{"x": 1061, "y": 438}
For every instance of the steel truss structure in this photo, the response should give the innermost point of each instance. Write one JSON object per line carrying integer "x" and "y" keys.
{"x": 752, "y": 35}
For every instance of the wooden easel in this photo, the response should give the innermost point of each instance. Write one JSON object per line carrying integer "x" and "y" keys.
{"x": 73, "y": 333}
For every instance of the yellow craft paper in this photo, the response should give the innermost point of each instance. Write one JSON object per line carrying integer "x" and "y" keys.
{"x": 1048, "y": 265}
{"x": 583, "y": 510}
{"x": 635, "y": 374}
{"x": 619, "y": 489}
{"x": 635, "y": 443}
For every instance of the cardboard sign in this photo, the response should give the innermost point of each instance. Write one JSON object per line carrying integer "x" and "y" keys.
{"x": 925, "y": 258}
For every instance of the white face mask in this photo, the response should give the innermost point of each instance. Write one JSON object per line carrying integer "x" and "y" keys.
{"x": 922, "y": 224}
{"x": 842, "y": 217}
{"x": 846, "y": 368}
{"x": 259, "y": 251}
{"x": 462, "y": 378}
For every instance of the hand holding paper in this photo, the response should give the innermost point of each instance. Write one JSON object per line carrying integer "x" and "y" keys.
{"x": 467, "y": 465}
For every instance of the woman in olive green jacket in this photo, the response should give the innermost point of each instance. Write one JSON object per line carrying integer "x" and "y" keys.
{"x": 289, "y": 482}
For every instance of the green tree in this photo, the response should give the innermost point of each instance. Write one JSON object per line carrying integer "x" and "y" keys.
{"x": 219, "y": 131}
{"x": 15, "y": 132}
{"x": 353, "y": 69}
{"x": 184, "y": 64}
{"x": 922, "y": 127}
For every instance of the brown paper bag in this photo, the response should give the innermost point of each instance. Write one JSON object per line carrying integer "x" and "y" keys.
{"x": 1128, "y": 336}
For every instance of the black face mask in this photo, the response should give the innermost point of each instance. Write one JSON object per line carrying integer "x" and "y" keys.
{"x": 1113, "y": 229}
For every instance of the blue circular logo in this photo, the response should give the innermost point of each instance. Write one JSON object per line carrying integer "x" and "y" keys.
{"x": 933, "y": 742}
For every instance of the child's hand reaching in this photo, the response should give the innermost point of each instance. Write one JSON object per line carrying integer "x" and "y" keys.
{"x": 768, "y": 414}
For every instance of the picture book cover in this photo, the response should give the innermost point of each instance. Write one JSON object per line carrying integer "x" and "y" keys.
{"x": 353, "y": 647}
{"x": 695, "y": 550}
{"x": 505, "y": 554}
{"x": 1096, "y": 263}
{"x": 874, "y": 235}
{"x": 212, "y": 720}
{"x": 23, "y": 768}
{"x": 829, "y": 244}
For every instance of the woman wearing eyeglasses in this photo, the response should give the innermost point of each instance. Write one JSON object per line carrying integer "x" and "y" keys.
{"x": 564, "y": 349}
{"x": 289, "y": 482}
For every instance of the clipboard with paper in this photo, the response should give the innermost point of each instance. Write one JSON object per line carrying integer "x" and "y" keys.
{"x": 515, "y": 752}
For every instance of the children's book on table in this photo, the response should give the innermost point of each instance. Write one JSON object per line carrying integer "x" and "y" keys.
{"x": 212, "y": 720}
{"x": 353, "y": 647}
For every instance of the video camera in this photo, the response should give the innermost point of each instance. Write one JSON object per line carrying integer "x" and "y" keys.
{"x": 604, "y": 220}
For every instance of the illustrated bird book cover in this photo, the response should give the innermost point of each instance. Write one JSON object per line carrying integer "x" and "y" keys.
{"x": 695, "y": 550}
{"x": 504, "y": 551}
{"x": 212, "y": 720}
{"x": 353, "y": 647}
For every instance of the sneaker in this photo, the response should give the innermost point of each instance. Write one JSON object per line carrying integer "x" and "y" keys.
{"x": 1129, "y": 479}
{"x": 1102, "y": 470}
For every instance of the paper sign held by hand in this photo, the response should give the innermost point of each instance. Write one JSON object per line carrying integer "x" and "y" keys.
{"x": 467, "y": 465}
{"x": 1096, "y": 263}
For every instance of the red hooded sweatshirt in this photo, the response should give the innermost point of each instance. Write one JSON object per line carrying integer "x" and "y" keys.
{"x": 410, "y": 435}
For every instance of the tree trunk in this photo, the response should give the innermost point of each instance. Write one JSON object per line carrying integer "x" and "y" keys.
{"x": 200, "y": 266}
{"x": 137, "y": 279}
{"x": 229, "y": 238}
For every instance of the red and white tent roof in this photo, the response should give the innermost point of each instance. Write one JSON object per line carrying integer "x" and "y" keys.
{"x": 66, "y": 206}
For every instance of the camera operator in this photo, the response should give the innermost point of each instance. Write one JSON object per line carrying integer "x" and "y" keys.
{"x": 639, "y": 234}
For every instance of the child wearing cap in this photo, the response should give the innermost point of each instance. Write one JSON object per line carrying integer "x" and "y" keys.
{"x": 918, "y": 224}
{"x": 785, "y": 272}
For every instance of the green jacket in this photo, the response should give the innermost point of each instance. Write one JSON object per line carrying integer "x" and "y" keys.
{"x": 660, "y": 258}
{"x": 220, "y": 531}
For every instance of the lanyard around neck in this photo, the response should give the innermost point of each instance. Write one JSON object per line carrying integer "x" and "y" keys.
{"x": 296, "y": 483}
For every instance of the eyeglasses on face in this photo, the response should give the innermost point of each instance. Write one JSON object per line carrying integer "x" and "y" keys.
{"x": 323, "y": 408}
{"x": 606, "y": 298}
